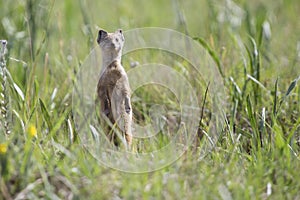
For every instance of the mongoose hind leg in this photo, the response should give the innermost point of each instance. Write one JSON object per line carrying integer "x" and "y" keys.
{"x": 106, "y": 119}
{"x": 122, "y": 112}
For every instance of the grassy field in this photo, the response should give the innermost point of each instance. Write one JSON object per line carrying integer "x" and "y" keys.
{"x": 256, "y": 45}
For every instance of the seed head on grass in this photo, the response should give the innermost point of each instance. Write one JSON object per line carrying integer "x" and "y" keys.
{"x": 4, "y": 98}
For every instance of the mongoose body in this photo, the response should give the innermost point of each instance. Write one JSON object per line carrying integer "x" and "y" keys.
{"x": 113, "y": 87}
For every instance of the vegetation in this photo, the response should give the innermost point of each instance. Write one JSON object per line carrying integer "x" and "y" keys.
{"x": 255, "y": 45}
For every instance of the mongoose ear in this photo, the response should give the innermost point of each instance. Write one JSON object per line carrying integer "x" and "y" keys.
{"x": 121, "y": 33}
{"x": 101, "y": 35}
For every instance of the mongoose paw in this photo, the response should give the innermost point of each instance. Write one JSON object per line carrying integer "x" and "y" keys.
{"x": 127, "y": 109}
{"x": 127, "y": 105}
{"x": 106, "y": 112}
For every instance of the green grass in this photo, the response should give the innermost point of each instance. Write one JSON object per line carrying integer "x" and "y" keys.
{"x": 256, "y": 47}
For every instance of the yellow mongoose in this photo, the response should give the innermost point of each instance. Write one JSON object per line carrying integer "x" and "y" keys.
{"x": 113, "y": 86}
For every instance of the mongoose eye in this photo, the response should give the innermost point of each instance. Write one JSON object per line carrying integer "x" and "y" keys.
{"x": 117, "y": 40}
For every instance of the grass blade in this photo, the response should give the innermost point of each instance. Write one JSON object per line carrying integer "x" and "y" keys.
{"x": 275, "y": 98}
{"x": 289, "y": 90}
{"x": 19, "y": 91}
{"x": 251, "y": 115}
{"x": 46, "y": 114}
{"x": 292, "y": 86}
{"x": 200, "y": 131}
{"x": 212, "y": 53}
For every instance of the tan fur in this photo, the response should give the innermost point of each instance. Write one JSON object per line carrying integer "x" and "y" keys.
{"x": 113, "y": 87}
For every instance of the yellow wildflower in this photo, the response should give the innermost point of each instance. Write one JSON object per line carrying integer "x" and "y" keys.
{"x": 3, "y": 148}
{"x": 32, "y": 132}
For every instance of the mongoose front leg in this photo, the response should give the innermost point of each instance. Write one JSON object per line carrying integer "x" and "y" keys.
{"x": 104, "y": 99}
{"x": 127, "y": 120}
{"x": 127, "y": 105}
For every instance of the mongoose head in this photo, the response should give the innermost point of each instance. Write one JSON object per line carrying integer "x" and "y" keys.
{"x": 111, "y": 42}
